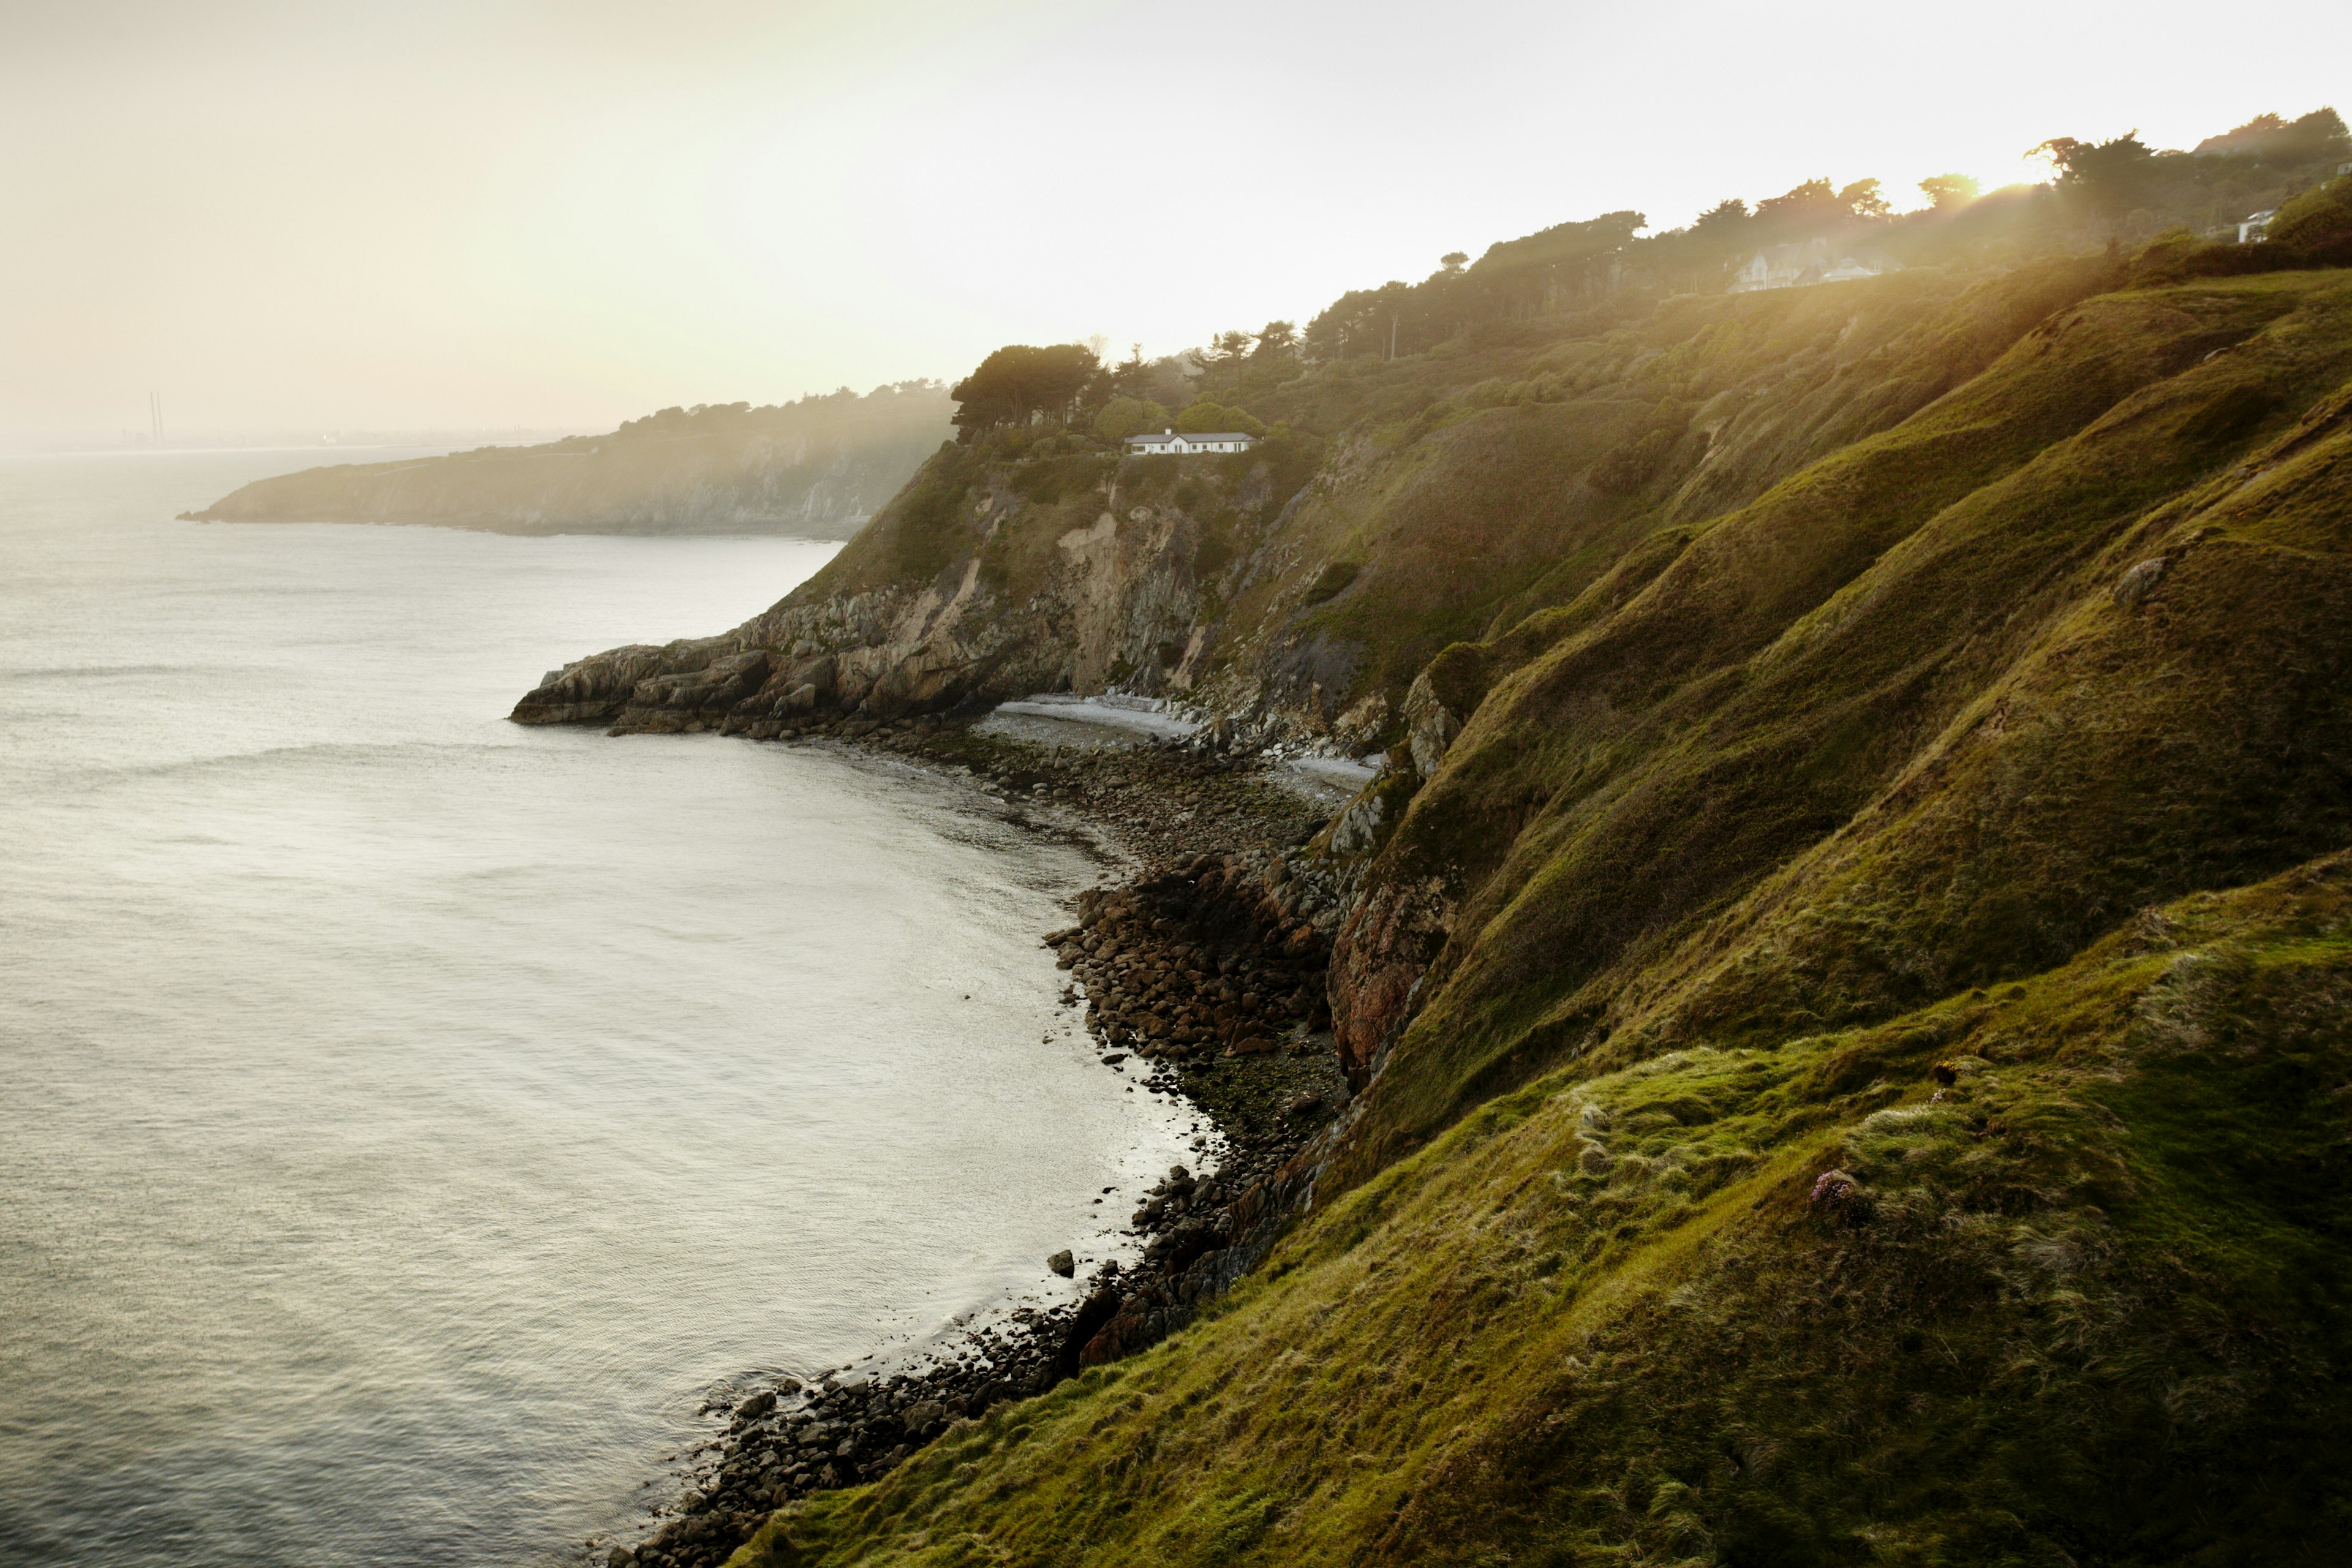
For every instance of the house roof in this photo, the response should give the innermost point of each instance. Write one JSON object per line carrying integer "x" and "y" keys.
{"x": 1164, "y": 438}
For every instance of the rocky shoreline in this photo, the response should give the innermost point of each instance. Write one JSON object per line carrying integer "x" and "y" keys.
{"x": 1206, "y": 960}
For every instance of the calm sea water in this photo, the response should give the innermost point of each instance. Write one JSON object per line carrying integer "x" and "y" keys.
{"x": 407, "y": 1118}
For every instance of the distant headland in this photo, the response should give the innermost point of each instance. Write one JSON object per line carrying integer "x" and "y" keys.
{"x": 816, "y": 468}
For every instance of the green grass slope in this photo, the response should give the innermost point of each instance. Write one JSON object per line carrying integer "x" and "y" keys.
{"x": 1883, "y": 1091}
{"x": 1446, "y": 496}
{"x": 1808, "y": 654}
{"x": 1486, "y": 484}
{"x": 1795, "y": 1305}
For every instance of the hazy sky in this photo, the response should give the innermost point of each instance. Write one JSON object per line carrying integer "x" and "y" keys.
{"x": 313, "y": 215}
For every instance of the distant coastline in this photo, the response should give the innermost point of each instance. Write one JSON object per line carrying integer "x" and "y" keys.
{"x": 816, "y": 469}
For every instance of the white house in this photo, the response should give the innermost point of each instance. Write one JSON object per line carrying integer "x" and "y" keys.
{"x": 1170, "y": 443}
{"x": 2257, "y": 226}
{"x": 1801, "y": 266}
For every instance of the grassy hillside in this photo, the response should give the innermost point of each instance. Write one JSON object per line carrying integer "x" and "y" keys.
{"x": 1898, "y": 705}
{"x": 817, "y": 468}
{"x": 1397, "y": 507}
{"x": 1869, "y": 1076}
{"x": 1803, "y": 1303}
{"x": 1845, "y": 977}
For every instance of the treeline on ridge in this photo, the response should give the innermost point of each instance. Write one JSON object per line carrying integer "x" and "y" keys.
{"x": 2181, "y": 210}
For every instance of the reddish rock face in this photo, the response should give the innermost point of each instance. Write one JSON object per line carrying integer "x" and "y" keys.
{"x": 1381, "y": 955}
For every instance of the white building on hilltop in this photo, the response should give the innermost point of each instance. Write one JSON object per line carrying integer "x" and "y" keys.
{"x": 1168, "y": 444}
{"x": 1815, "y": 262}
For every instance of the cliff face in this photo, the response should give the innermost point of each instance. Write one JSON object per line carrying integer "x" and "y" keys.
{"x": 1298, "y": 590}
{"x": 815, "y": 469}
{"x": 1033, "y": 595}
{"x": 1847, "y": 970}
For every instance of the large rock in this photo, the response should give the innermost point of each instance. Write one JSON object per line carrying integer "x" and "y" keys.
{"x": 1429, "y": 725}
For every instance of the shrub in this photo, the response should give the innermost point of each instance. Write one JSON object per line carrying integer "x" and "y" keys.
{"x": 2319, "y": 219}
{"x": 1125, "y": 416}
{"x": 1207, "y": 416}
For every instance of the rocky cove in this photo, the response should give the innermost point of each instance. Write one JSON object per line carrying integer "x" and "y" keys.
{"x": 1212, "y": 956}
{"x": 1779, "y": 699}
{"x": 1202, "y": 955}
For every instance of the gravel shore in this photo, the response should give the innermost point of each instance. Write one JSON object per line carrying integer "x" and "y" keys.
{"x": 1200, "y": 953}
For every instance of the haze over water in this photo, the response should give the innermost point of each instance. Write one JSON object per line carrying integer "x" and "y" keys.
{"x": 411, "y": 1117}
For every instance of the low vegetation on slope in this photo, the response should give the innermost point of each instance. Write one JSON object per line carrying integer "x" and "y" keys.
{"x": 2049, "y": 1273}
{"x": 1302, "y": 585}
{"x": 1846, "y": 982}
{"x": 1876, "y": 1085}
{"x": 817, "y": 468}
{"x": 1907, "y": 699}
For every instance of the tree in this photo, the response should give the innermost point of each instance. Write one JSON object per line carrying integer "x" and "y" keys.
{"x": 1356, "y": 323}
{"x": 1809, "y": 204}
{"x": 1949, "y": 190}
{"x": 1132, "y": 375}
{"x": 2271, "y": 139}
{"x": 2113, "y": 176}
{"x": 2245, "y": 138}
{"x": 1454, "y": 260}
{"x": 1722, "y": 227}
{"x": 1225, "y": 351}
{"x": 1205, "y": 415}
{"x": 2321, "y": 134}
{"x": 1276, "y": 340}
{"x": 1862, "y": 199}
{"x": 1018, "y": 382}
{"x": 1547, "y": 271}
{"x": 1125, "y": 416}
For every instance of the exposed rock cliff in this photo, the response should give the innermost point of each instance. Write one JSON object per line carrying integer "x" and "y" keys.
{"x": 1299, "y": 590}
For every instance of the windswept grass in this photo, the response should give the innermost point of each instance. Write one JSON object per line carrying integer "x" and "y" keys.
{"x": 1879, "y": 1093}
{"x": 2084, "y": 1303}
{"x": 1908, "y": 663}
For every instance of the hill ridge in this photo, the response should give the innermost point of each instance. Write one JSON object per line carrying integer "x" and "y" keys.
{"x": 1844, "y": 969}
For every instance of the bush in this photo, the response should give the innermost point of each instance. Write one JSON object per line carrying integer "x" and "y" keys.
{"x": 2314, "y": 229}
{"x": 2320, "y": 219}
{"x": 1206, "y": 416}
{"x": 1125, "y": 416}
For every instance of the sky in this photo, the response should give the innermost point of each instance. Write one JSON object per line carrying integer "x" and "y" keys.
{"x": 290, "y": 216}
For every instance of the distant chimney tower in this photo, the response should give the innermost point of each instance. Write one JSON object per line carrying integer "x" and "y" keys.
{"x": 155, "y": 419}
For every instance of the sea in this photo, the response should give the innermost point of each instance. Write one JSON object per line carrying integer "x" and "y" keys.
{"x": 412, "y": 1123}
